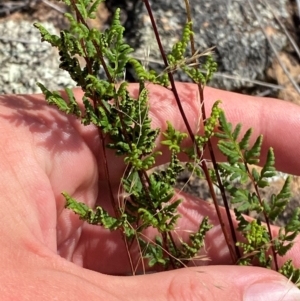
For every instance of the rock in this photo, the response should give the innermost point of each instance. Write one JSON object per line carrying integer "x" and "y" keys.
{"x": 288, "y": 93}
{"x": 25, "y": 60}
{"x": 241, "y": 46}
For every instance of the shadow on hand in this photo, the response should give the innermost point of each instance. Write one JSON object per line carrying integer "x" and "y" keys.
{"x": 60, "y": 132}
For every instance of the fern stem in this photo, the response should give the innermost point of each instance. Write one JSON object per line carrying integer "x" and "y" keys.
{"x": 171, "y": 78}
{"x": 213, "y": 158}
{"x": 95, "y": 103}
{"x": 265, "y": 216}
{"x": 192, "y": 136}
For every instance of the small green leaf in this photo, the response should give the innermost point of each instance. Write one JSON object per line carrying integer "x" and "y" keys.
{"x": 244, "y": 143}
{"x": 252, "y": 155}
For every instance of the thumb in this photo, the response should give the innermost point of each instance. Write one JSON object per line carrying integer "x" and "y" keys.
{"x": 214, "y": 283}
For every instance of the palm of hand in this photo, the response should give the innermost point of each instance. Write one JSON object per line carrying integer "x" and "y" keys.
{"x": 44, "y": 153}
{"x": 54, "y": 153}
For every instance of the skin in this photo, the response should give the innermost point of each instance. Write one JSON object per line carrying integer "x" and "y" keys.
{"x": 48, "y": 254}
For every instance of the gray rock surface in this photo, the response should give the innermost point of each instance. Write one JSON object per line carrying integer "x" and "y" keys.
{"x": 241, "y": 46}
{"x": 25, "y": 60}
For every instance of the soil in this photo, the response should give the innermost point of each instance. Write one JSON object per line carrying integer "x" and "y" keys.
{"x": 52, "y": 11}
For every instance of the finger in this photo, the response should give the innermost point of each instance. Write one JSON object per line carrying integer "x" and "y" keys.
{"x": 272, "y": 118}
{"x": 59, "y": 279}
{"x": 216, "y": 283}
{"x": 98, "y": 247}
{"x": 278, "y": 121}
{"x": 220, "y": 283}
{"x": 216, "y": 251}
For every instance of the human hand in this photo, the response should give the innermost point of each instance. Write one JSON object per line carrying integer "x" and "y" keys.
{"x": 48, "y": 253}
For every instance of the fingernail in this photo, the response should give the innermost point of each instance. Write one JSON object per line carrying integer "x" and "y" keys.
{"x": 272, "y": 291}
